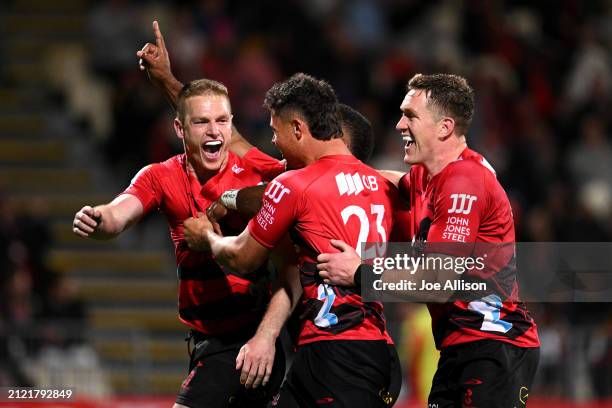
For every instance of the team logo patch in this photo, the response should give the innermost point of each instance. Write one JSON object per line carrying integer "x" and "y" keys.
{"x": 187, "y": 381}
{"x": 523, "y": 395}
{"x": 237, "y": 169}
{"x": 462, "y": 203}
{"x": 276, "y": 191}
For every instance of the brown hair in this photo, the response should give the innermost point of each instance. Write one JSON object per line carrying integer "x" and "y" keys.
{"x": 448, "y": 95}
{"x": 196, "y": 88}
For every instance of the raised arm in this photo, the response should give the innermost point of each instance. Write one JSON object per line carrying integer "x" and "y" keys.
{"x": 154, "y": 58}
{"x": 108, "y": 220}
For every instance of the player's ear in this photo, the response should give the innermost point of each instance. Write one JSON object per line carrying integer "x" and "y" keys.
{"x": 178, "y": 128}
{"x": 297, "y": 127}
{"x": 446, "y": 127}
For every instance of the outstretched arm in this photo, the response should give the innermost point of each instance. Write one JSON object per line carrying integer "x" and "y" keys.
{"x": 108, "y": 220}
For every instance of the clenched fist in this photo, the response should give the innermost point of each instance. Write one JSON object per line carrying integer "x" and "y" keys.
{"x": 196, "y": 232}
{"x": 86, "y": 221}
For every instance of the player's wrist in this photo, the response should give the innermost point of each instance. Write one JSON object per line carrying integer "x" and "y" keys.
{"x": 267, "y": 333}
{"x": 228, "y": 199}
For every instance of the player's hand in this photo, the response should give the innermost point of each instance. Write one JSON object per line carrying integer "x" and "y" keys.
{"x": 215, "y": 212}
{"x": 86, "y": 221}
{"x": 154, "y": 58}
{"x": 196, "y": 232}
{"x": 339, "y": 268}
{"x": 256, "y": 359}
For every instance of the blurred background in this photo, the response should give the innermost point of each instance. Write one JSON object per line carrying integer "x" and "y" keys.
{"x": 78, "y": 120}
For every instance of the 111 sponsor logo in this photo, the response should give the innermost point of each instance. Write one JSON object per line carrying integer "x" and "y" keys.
{"x": 462, "y": 203}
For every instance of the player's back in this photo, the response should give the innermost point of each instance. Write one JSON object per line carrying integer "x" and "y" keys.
{"x": 337, "y": 197}
{"x": 342, "y": 198}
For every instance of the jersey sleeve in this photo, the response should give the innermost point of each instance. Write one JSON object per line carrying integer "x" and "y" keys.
{"x": 404, "y": 187}
{"x": 459, "y": 203}
{"x": 401, "y": 231}
{"x": 281, "y": 204}
{"x": 268, "y": 167}
{"x": 146, "y": 188}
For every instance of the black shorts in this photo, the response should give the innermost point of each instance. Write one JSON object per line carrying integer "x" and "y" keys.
{"x": 395, "y": 380}
{"x": 486, "y": 373}
{"x": 338, "y": 373}
{"x": 214, "y": 382}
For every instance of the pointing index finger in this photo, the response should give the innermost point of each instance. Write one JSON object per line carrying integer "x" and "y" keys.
{"x": 159, "y": 38}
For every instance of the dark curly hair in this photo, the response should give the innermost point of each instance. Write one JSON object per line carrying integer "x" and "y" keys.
{"x": 448, "y": 95}
{"x": 313, "y": 99}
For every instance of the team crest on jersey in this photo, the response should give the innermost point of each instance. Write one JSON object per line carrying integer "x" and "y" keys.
{"x": 236, "y": 169}
{"x": 276, "y": 191}
{"x": 350, "y": 184}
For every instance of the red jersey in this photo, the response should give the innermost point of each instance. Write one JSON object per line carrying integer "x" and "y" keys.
{"x": 211, "y": 298}
{"x": 465, "y": 203}
{"x": 337, "y": 197}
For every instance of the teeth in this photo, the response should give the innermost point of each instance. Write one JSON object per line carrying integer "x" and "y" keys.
{"x": 408, "y": 138}
{"x": 213, "y": 143}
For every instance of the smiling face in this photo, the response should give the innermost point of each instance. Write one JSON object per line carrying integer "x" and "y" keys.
{"x": 206, "y": 130}
{"x": 419, "y": 128}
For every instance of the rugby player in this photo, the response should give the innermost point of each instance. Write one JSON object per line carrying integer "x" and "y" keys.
{"x": 489, "y": 346}
{"x": 222, "y": 309}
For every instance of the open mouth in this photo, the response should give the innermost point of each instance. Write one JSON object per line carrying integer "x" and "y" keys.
{"x": 409, "y": 141}
{"x": 212, "y": 149}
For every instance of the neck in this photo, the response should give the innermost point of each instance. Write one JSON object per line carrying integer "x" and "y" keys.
{"x": 203, "y": 174}
{"x": 444, "y": 157}
{"x": 320, "y": 148}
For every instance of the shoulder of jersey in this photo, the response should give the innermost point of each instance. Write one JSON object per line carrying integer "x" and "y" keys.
{"x": 170, "y": 164}
{"x": 237, "y": 164}
{"x": 158, "y": 169}
{"x": 297, "y": 176}
{"x": 470, "y": 166}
